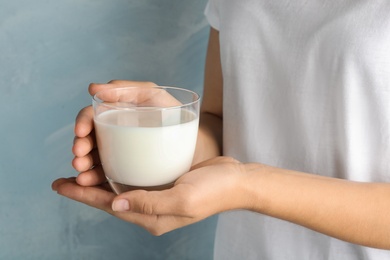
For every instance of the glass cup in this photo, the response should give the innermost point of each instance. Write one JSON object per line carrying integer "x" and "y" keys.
{"x": 146, "y": 136}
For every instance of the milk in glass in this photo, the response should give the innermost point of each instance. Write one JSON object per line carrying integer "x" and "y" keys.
{"x": 146, "y": 148}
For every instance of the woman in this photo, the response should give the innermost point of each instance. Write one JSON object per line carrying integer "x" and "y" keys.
{"x": 296, "y": 99}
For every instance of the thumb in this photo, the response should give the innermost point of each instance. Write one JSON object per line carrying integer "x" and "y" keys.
{"x": 166, "y": 202}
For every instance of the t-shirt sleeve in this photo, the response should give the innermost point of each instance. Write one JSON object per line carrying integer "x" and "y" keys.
{"x": 212, "y": 15}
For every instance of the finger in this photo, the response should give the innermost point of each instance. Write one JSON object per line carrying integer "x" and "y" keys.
{"x": 92, "y": 196}
{"x": 131, "y": 83}
{"x": 92, "y": 177}
{"x": 146, "y": 96}
{"x": 101, "y": 199}
{"x": 96, "y": 87}
{"x": 82, "y": 164}
{"x": 84, "y": 122}
{"x": 83, "y": 145}
{"x": 58, "y": 182}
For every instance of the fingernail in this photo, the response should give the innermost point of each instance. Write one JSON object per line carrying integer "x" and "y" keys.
{"x": 120, "y": 205}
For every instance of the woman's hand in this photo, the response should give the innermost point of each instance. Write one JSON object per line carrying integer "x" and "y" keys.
{"x": 86, "y": 160}
{"x": 210, "y": 187}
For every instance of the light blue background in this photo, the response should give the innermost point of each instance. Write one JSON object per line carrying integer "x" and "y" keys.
{"x": 49, "y": 52}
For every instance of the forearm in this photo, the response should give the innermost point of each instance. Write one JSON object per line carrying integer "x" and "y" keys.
{"x": 209, "y": 142}
{"x": 351, "y": 211}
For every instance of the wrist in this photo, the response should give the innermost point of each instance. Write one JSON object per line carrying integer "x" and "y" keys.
{"x": 254, "y": 187}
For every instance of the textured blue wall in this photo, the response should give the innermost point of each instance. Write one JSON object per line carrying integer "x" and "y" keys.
{"x": 49, "y": 52}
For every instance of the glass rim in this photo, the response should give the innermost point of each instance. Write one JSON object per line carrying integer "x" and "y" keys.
{"x": 101, "y": 102}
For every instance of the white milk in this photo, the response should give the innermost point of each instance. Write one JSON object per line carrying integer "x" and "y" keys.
{"x": 136, "y": 150}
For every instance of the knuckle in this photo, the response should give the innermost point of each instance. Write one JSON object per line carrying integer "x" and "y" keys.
{"x": 146, "y": 208}
{"x": 74, "y": 163}
{"x": 83, "y": 112}
{"x": 186, "y": 206}
{"x": 141, "y": 204}
{"x": 75, "y": 147}
{"x": 78, "y": 148}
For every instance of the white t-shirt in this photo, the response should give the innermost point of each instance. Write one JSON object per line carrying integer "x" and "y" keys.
{"x": 306, "y": 87}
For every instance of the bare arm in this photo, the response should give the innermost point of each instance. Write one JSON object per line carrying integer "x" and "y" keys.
{"x": 351, "y": 211}
{"x": 209, "y": 143}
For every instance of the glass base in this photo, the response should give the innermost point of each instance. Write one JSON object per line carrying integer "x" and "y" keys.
{"x": 119, "y": 188}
